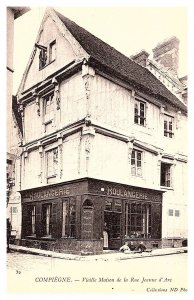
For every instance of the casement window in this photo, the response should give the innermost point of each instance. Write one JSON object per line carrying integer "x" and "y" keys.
{"x": 46, "y": 54}
{"x": 51, "y": 164}
{"x": 46, "y": 219}
{"x": 140, "y": 112}
{"x": 52, "y": 51}
{"x": 42, "y": 57}
{"x": 168, "y": 126}
{"x": 137, "y": 220}
{"x": 165, "y": 175}
{"x": 48, "y": 102}
{"x": 136, "y": 163}
{"x": 69, "y": 217}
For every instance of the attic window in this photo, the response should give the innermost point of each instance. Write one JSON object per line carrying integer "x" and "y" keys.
{"x": 52, "y": 51}
{"x": 42, "y": 56}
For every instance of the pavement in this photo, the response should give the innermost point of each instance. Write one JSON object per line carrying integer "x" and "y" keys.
{"x": 107, "y": 255}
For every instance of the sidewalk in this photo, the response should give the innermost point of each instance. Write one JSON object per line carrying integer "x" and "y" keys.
{"x": 106, "y": 256}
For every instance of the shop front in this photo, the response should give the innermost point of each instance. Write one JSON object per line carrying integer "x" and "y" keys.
{"x": 72, "y": 217}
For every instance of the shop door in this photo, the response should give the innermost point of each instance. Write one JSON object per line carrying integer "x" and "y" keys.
{"x": 113, "y": 224}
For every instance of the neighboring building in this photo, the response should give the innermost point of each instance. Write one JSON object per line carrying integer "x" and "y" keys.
{"x": 104, "y": 141}
{"x": 14, "y": 130}
{"x": 164, "y": 66}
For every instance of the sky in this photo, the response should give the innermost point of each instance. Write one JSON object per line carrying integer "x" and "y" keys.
{"x": 126, "y": 28}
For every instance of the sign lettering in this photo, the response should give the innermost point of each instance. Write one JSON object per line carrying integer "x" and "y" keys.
{"x": 50, "y": 193}
{"x": 112, "y": 191}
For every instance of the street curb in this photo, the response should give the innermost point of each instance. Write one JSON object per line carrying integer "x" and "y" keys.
{"x": 103, "y": 257}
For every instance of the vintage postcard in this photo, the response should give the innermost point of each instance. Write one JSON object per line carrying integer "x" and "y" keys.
{"x": 97, "y": 149}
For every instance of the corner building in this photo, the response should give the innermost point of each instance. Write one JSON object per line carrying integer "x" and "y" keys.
{"x": 104, "y": 144}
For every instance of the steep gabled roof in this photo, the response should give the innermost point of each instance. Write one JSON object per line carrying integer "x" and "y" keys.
{"x": 119, "y": 64}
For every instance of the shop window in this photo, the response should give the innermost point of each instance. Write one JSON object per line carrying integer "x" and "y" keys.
{"x": 46, "y": 219}
{"x": 113, "y": 205}
{"x": 51, "y": 164}
{"x": 168, "y": 126}
{"x": 139, "y": 112}
{"x": 177, "y": 213}
{"x": 32, "y": 216}
{"x": 138, "y": 220}
{"x": 165, "y": 175}
{"x": 69, "y": 218}
{"x": 117, "y": 205}
{"x": 136, "y": 163}
{"x": 52, "y": 51}
{"x": 31, "y": 221}
{"x": 109, "y": 204}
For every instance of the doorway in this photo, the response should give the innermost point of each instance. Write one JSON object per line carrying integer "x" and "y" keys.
{"x": 113, "y": 224}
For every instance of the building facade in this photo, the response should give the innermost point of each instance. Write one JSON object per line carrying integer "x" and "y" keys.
{"x": 14, "y": 130}
{"x": 103, "y": 147}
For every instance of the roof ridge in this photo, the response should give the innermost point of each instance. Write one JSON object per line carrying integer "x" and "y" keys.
{"x": 118, "y": 62}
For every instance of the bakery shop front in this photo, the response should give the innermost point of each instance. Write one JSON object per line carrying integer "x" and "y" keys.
{"x": 86, "y": 215}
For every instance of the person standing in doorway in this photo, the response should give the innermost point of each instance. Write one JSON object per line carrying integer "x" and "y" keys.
{"x": 105, "y": 236}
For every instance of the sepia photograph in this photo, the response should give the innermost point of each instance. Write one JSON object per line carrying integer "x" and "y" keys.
{"x": 97, "y": 149}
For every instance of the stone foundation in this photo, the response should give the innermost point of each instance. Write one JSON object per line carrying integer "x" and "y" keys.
{"x": 70, "y": 246}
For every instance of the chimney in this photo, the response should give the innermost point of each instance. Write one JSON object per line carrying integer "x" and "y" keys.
{"x": 140, "y": 58}
{"x": 167, "y": 54}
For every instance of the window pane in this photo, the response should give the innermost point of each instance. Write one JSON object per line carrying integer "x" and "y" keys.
{"x": 52, "y": 162}
{"x": 141, "y": 121}
{"x": 65, "y": 223}
{"x": 139, "y": 172}
{"x": 136, "y": 163}
{"x": 52, "y": 51}
{"x": 170, "y": 212}
{"x": 136, "y": 119}
{"x": 142, "y": 109}
{"x": 177, "y": 213}
{"x": 108, "y": 204}
{"x": 168, "y": 126}
{"x": 165, "y": 179}
{"x": 133, "y": 161}
{"x": 72, "y": 215}
{"x": 139, "y": 156}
